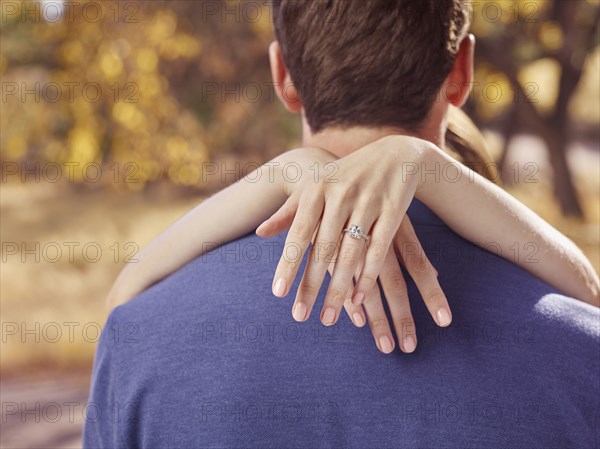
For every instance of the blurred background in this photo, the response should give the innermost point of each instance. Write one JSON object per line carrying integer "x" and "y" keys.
{"x": 115, "y": 117}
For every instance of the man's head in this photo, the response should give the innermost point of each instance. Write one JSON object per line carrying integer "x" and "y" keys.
{"x": 370, "y": 63}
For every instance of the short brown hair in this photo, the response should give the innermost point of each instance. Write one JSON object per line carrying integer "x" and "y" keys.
{"x": 369, "y": 62}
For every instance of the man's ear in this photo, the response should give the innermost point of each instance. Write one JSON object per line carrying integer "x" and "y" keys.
{"x": 458, "y": 84}
{"x": 284, "y": 86}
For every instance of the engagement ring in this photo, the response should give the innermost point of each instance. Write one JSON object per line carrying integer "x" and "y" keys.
{"x": 356, "y": 232}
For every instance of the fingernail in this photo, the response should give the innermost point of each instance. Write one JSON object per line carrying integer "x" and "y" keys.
{"x": 409, "y": 344}
{"x": 279, "y": 288}
{"x": 299, "y": 312}
{"x": 329, "y": 316}
{"x": 386, "y": 344}
{"x": 444, "y": 318}
{"x": 358, "y": 319}
{"x": 358, "y": 298}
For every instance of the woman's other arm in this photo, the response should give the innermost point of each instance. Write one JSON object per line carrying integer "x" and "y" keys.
{"x": 485, "y": 214}
{"x": 231, "y": 213}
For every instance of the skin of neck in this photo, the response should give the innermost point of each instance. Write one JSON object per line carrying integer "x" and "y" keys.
{"x": 343, "y": 141}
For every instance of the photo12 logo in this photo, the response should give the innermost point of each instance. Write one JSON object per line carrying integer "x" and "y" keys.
{"x": 52, "y": 11}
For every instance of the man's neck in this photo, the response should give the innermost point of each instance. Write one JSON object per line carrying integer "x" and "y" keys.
{"x": 342, "y": 142}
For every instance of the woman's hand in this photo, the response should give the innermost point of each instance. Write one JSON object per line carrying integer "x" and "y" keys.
{"x": 371, "y": 188}
{"x": 408, "y": 249}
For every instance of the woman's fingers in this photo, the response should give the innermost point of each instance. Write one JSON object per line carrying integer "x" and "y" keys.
{"x": 355, "y": 312}
{"x": 378, "y": 321}
{"x": 380, "y": 240}
{"x": 422, "y": 272}
{"x": 396, "y": 294}
{"x": 322, "y": 253}
{"x": 281, "y": 220}
{"x": 305, "y": 222}
{"x": 350, "y": 253}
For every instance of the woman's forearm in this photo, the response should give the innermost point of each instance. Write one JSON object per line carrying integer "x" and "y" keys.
{"x": 227, "y": 215}
{"x": 490, "y": 217}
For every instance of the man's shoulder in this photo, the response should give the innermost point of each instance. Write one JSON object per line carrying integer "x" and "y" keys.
{"x": 570, "y": 313}
{"x": 236, "y": 267}
{"x": 213, "y": 331}
{"x": 229, "y": 280}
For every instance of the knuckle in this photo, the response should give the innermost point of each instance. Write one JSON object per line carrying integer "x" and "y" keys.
{"x": 300, "y": 229}
{"x": 351, "y": 190}
{"x": 379, "y": 324}
{"x": 309, "y": 289}
{"x": 348, "y": 305}
{"x": 419, "y": 264}
{"x": 435, "y": 297}
{"x": 373, "y": 297}
{"x": 368, "y": 278}
{"x": 289, "y": 261}
{"x": 288, "y": 266}
{"x": 405, "y": 325}
{"x": 336, "y": 295}
{"x": 346, "y": 190}
{"x": 396, "y": 281}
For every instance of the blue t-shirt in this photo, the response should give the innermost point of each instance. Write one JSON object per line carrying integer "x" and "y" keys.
{"x": 209, "y": 358}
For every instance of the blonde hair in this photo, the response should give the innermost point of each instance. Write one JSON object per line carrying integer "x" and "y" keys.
{"x": 466, "y": 143}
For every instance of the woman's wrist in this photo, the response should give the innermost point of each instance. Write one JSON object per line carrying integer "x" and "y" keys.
{"x": 305, "y": 164}
{"x": 414, "y": 156}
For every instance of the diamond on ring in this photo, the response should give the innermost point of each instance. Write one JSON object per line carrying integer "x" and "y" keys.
{"x": 356, "y": 232}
